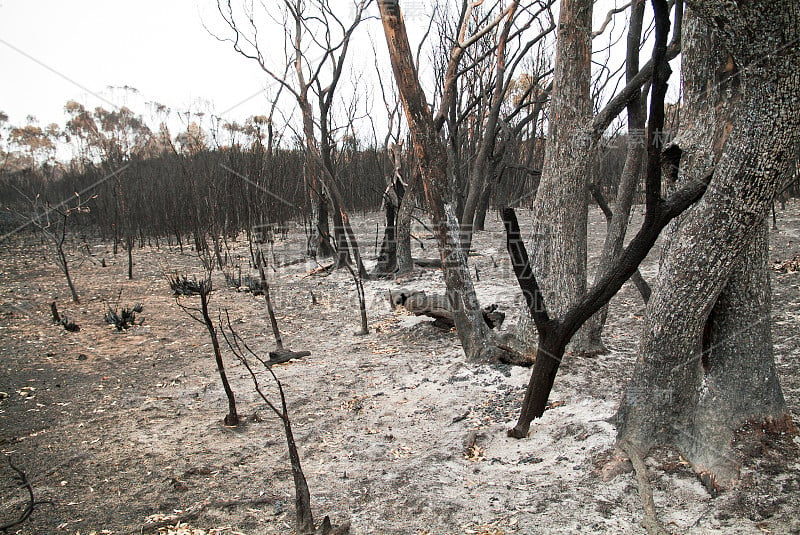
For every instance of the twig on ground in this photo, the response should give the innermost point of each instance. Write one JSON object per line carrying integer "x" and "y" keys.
{"x": 28, "y": 511}
{"x": 191, "y": 515}
{"x": 650, "y": 521}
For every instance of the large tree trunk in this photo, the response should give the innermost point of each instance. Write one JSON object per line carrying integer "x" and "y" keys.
{"x": 740, "y": 382}
{"x": 715, "y": 261}
{"x": 430, "y": 151}
{"x": 631, "y": 175}
{"x": 558, "y": 247}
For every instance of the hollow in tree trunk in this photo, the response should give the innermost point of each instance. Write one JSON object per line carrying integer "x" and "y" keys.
{"x": 715, "y": 259}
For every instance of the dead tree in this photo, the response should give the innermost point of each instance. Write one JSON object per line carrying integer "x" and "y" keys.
{"x": 304, "y": 523}
{"x": 53, "y": 222}
{"x": 438, "y": 307}
{"x": 555, "y": 332}
{"x": 312, "y": 24}
{"x": 433, "y": 163}
{"x": 393, "y": 197}
{"x": 183, "y": 286}
{"x": 617, "y": 221}
{"x": 281, "y": 354}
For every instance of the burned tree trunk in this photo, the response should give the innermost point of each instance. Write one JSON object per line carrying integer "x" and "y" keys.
{"x": 405, "y": 262}
{"x": 554, "y": 332}
{"x": 631, "y": 175}
{"x": 232, "y": 418}
{"x": 716, "y": 252}
{"x": 740, "y": 383}
{"x": 437, "y": 307}
{"x": 392, "y": 200}
{"x": 319, "y": 240}
{"x": 472, "y": 330}
{"x": 561, "y": 204}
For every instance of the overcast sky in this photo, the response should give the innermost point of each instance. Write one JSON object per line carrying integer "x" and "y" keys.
{"x": 52, "y": 51}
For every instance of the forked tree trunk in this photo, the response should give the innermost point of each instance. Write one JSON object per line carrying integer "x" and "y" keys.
{"x": 630, "y": 179}
{"x": 430, "y": 151}
{"x": 555, "y": 332}
{"x": 558, "y": 245}
{"x": 61, "y": 256}
{"x": 673, "y": 399}
{"x": 65, "y": 268}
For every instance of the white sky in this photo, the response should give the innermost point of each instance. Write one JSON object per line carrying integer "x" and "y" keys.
{"x": 158, "y": 47}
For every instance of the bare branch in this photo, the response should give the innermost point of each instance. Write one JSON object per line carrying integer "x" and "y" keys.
{"x": 28, "y": 511}
{"x": 609, "y": 16}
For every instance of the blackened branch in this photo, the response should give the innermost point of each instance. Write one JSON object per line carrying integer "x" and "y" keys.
{"x": 522, "y": 269}
{"x": 28, "y": 511}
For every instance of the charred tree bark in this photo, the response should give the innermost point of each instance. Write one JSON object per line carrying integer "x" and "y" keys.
{"x": 740, "y": 383}
{"x": 554, "y": 332}
{"x": 392, "y": 200}
{"x": 232, "y": 418}
{"x": 717, "y": 252}
{"x": 431, "y": 153}
{"x": 405, "y": 262}
{"x": 560, "y": 210}
{"x": 319, "y": 241}
{"x": 387, "y": 258}
{"x": 631, "y": 174}
{"x": 273, "y": 321}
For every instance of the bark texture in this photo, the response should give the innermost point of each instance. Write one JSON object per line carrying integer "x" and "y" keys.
{"x": 558, "y": 246}
{"x": 673, "y": 399}
{"x": 431, "y": 153}
{"x": 617, "y": 225}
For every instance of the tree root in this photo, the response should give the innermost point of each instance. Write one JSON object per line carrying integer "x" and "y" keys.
{"x": 650, "y": 521}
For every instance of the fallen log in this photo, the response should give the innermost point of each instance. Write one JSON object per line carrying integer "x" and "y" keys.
{"x": 280, "y": 356}
{"x": 438, "y": 307}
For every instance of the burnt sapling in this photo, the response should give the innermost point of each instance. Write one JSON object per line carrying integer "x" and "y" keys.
{"x": 182, "y": 286}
